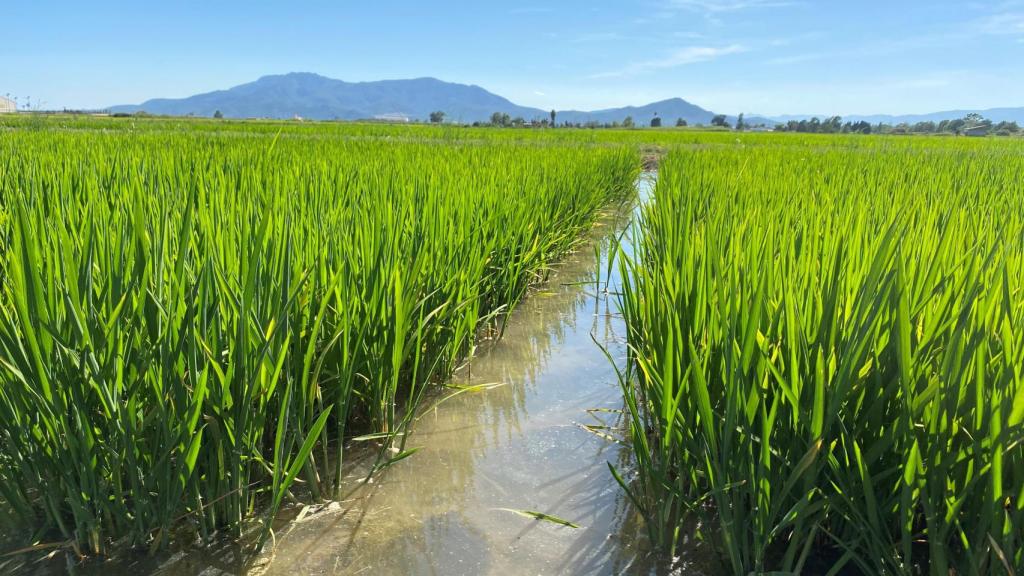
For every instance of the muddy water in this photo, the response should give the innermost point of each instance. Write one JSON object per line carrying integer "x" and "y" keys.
{"x": 517, "y": 445}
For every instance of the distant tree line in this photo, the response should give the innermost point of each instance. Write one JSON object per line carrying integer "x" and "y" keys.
{"x": 503, "y": 120}
{"x": 973, "y": 124}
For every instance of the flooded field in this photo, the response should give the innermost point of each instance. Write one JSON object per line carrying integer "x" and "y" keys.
{"x": 518, "y": 440}
{"x": 518, "y": 444}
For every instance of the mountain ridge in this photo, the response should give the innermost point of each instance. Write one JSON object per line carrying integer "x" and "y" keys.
{"x": 317, "y": 97}
{"x": 313, "y": 96}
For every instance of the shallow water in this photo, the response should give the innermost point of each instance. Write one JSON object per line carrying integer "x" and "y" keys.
{"x": 518, "y": 444}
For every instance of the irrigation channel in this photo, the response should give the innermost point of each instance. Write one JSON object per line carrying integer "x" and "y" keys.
{"x": 516, "y": 443}
{"x": 530, "y": 435}
{"x": 519, "y": 443}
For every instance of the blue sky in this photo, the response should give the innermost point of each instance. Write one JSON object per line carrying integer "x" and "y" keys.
{"x": 754, "y": 56}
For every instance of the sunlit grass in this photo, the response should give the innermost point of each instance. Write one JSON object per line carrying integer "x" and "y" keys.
{"x": 192, "y": 321}
{"x": 826, "y": 348}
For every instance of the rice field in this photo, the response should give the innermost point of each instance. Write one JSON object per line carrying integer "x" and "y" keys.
{"x": 826, "y": 345}
{"x": 200, "y": 319}
{"x": 195, "y": 323}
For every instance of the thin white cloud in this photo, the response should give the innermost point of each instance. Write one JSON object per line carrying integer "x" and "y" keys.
{"x": 931, "y": 80}
{"x": 597, "y": 37}
{"x": 531, "y": 10}
{"x": 539, "y": 93}
{"x": 716, "y": 6}
{"x": 1001, "y": 24}
{"x": 688, "y": 35}
{"x": 887, "y": 93}
{"x": 796, "y": 59}
{"x": 679, "y": 57}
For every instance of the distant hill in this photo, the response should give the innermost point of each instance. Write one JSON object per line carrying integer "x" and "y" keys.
{"x": 669, "y": 110}
{"x": 994, "y": 114}
{"x": 320, "y": 98}
{"x": 317, "y": 97}
{"x": 314, "y": 96}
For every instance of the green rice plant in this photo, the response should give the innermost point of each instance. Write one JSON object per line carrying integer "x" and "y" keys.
{"x": 194, "y": 321}
{"x": 826, "y": 355}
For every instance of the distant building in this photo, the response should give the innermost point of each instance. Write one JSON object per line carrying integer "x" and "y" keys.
{"x": 392, "y": 117}
{"x": 976, "y": 131}
{"x": 7, "y": 106}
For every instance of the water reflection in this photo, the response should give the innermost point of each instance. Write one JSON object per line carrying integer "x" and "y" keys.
{"x": 515, "y": 446}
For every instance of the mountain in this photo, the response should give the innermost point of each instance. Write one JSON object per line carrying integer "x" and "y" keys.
{"x": 317, "y": 97}
{"x": 320, "y": 98}
{"x": 994, "y": 114}
{"x": 669, "y": 110}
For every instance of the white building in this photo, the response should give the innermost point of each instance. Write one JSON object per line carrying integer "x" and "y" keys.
{"x": 392, "y": 117}
{"x": 7, "y": 106}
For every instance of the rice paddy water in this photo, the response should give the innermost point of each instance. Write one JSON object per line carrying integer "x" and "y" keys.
{"x": 522, "y": 428}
